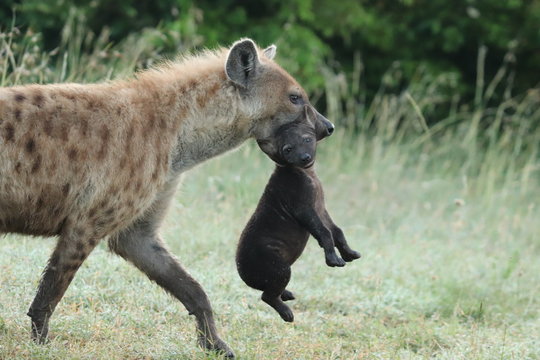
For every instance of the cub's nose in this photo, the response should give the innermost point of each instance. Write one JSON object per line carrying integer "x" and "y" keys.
{"x": 305, "y": 158}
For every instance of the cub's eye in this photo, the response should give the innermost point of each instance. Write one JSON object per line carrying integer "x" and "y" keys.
{"x": 295, "y": 99}
{"x": 287, "y": 149}
{"x": 306, "y": 140}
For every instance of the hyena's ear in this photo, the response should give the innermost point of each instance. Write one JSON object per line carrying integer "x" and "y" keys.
{"x": 270, "y": 52}
{"x": 242, "y": 61}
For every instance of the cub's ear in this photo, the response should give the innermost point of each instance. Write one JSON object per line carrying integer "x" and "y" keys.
{"x": 242, "y": 61}
{"x": 270, "y": 52}
{"x": 267, "y": 147}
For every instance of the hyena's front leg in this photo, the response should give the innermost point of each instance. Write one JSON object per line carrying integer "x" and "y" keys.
{"x": 144, "y": 249}
{"x": 70, "y": 252}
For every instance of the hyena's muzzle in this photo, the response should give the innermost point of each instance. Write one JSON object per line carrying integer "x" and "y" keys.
{"x": 323, "y": 126}
{"x": 326, "y": 128}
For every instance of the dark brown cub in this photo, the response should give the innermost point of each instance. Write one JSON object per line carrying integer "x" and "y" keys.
{"x": 290, "y": 209}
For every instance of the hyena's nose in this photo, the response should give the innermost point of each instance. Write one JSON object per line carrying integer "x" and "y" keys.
{"x": 323, "y": 126}
{"x": 330, "y": 128}
{"x": 305, "y": 158}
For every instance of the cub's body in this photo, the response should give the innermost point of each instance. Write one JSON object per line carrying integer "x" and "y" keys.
{"x": 291, "y": 208}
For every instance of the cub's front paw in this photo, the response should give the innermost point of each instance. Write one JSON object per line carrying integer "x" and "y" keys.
{"x": 350, "y": 255}
{"x": 333, "y": 260}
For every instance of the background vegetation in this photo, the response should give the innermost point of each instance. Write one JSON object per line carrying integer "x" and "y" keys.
{"x": 433, "y": 175}
{"x": 410, "y": 38}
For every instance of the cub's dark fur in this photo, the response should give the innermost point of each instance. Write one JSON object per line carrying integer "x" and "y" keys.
{"x": 290, "y": 209}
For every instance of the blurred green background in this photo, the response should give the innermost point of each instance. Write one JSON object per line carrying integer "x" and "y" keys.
{"x": 360, "y": 39}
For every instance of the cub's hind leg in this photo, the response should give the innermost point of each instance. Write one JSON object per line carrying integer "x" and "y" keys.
{"x": 273, "y": 299}
{"x": 286, "y": 295}
{"x": 274, "y": 292}
{"x": 264, "y": 270}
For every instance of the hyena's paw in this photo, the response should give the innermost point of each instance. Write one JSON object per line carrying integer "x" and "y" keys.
{"x": 40, "y": 339}
{"x": 40, "y": 328}
{"x": 286, "y": 295}
{"x": 219, "y": 346}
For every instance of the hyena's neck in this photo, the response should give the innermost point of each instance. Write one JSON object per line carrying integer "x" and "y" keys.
{"x": 203, "y": 107}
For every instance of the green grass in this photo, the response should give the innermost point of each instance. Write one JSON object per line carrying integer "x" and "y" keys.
{"x": 446, "y": 218}
{"x": 437, "y": 279}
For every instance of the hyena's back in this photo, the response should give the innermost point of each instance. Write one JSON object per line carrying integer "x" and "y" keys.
{"x": 73, "y": 154}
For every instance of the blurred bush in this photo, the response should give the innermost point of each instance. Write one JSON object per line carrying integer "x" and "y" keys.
{"x": 360, "y": 40}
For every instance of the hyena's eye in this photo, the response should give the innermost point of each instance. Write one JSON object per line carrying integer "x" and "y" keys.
{"x": 287, "y": 149}
{"x": 307, "y": 140}
{"x": 295, "y": 99}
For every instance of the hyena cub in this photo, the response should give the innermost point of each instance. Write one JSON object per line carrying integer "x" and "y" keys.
{"x": 290, "y": 209}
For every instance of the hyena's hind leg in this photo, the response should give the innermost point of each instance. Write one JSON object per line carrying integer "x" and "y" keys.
{"x": 72, "y": 249}
{"x": 144, "y": 249}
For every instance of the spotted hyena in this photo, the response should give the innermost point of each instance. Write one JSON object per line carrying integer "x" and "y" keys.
{"x": 86, "y": 162}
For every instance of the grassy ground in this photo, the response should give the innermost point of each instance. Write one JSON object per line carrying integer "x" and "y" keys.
{"x": 445, "y": 274}
{"x": 446, "y": 219}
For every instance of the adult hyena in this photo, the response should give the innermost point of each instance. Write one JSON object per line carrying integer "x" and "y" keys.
{"x": 85, "y": 162}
